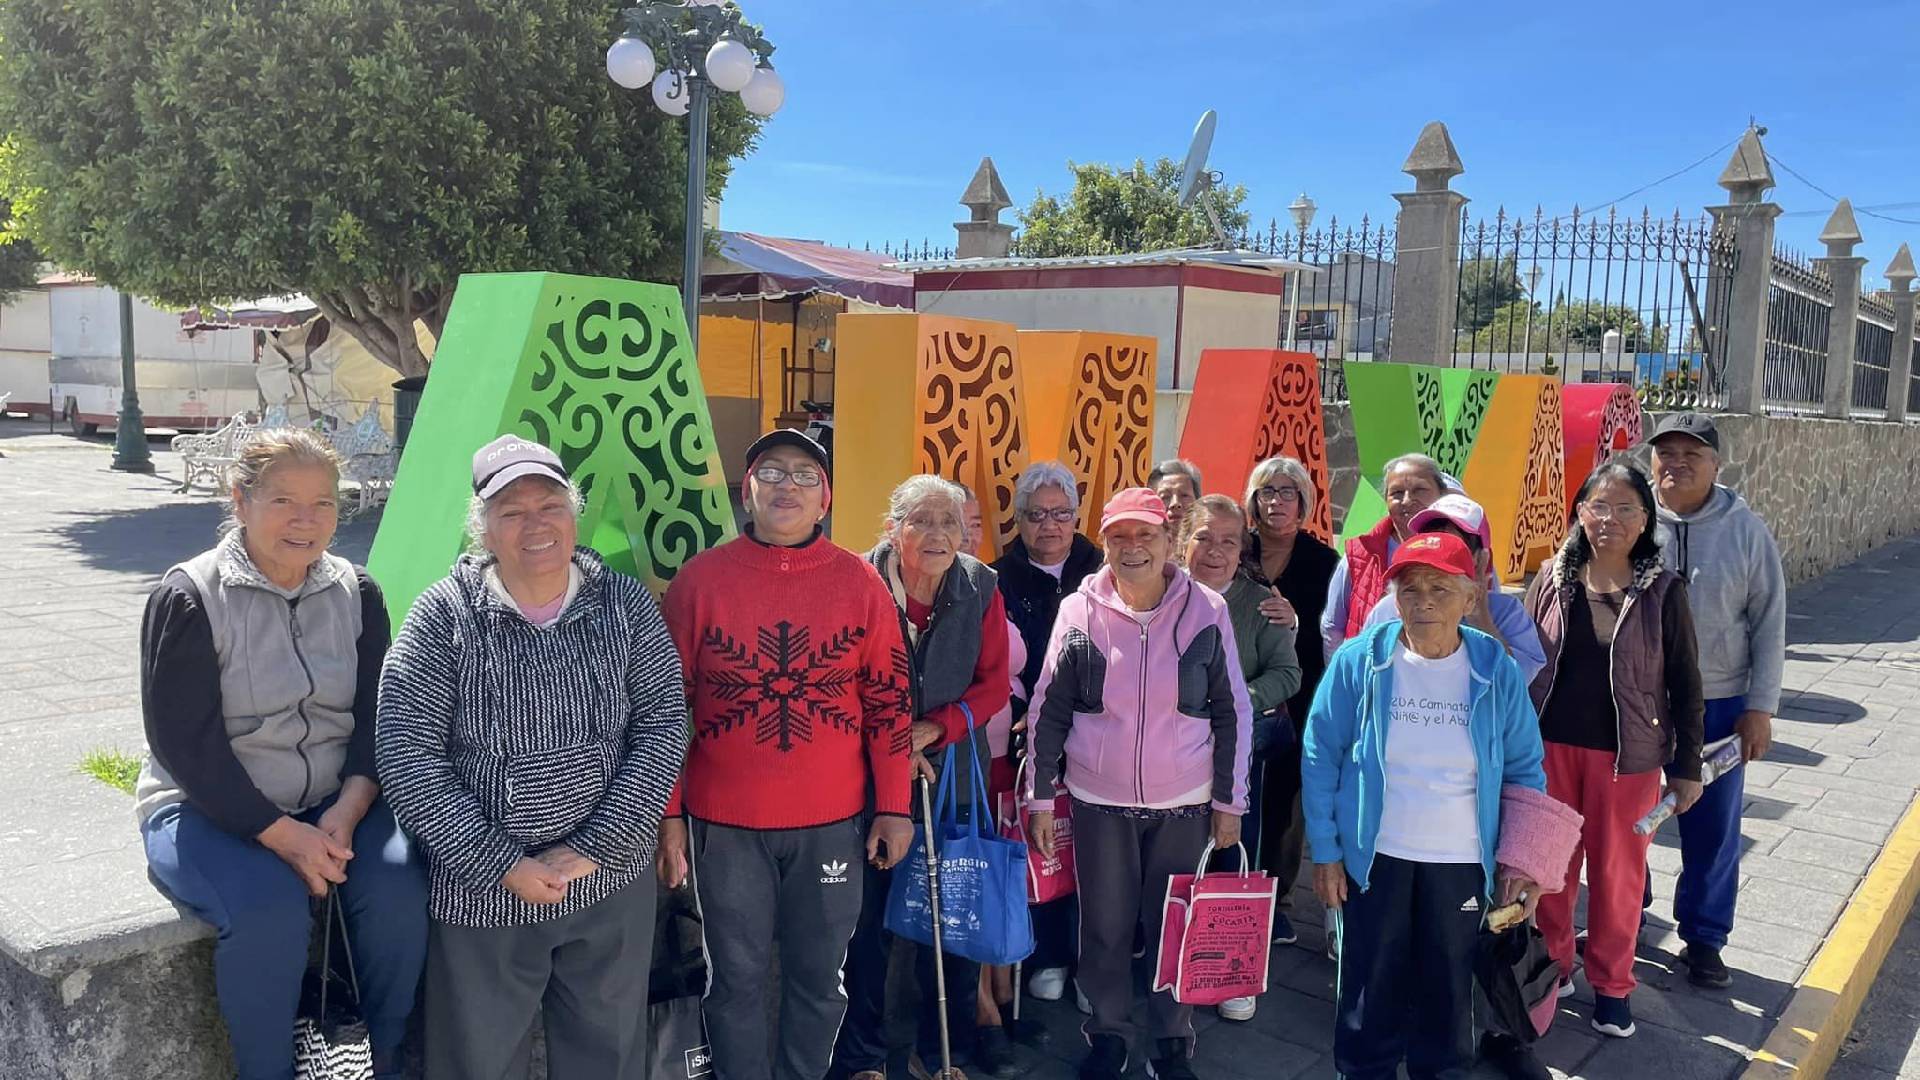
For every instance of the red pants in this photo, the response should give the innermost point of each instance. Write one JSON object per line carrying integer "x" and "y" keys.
{"x": 1616, "y": 862}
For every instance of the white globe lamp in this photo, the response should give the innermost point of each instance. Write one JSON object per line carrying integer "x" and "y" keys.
{"x": 630, "y": 63}
{"x": 764, "y": 93}
{"x": 670, "y": 93}
{"x": 730, "y": 65}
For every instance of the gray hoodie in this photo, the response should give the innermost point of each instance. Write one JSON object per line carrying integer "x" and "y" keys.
{"x": 1739, "y": 596}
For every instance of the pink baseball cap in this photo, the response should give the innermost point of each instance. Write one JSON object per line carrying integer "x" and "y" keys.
{"x": 1459, "y": 510}
{"x": 1133, "y": 504}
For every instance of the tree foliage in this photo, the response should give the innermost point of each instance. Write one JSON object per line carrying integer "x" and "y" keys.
{"x": 365, "y": 153}
{"x": 1119, "y": 210}
{"x": 1486, "y": 286}
{"x": 1571, "y": 326}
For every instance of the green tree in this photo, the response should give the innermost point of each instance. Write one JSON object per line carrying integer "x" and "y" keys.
{"x": 364, "y": 153}
{"x": 1121, "y": 210}
{"x": 1486, "y": 286}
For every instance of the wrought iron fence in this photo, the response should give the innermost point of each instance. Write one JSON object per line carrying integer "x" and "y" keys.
{"x": 1620, "y": 298}
{"x": 1872, "y": 355}
{"x": 1799, "y": 313}
{"x": 909, "y": 250}
{"x": 1344, "y": 307}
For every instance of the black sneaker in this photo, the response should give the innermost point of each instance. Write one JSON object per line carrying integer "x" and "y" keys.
{"x": 1170, "y": 1063}
{"x": 1705, "y": 968}
{"x": 1283, "y": 931}
{"x": 1512, "y": 1057}
{"x": 993, "y": 1052}
{"x": 1612, "y": 1016}
{"x": 1106, "y": 1058}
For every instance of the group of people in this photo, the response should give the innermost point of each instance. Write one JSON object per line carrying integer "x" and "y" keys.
{"x": 496, "y": 793}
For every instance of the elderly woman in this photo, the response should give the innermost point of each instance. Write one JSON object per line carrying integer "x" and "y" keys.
{"x": 1046, "y": 563}
{"x": 1143, "y": 718}
{"x": 1417, "y": 726}
{"x": 1619, "y": 699}
{"x": 955, "y": 624}
{"x": 1411, "y": 483}
{"x": 258, "y": 663}
{"x": 1177, "y": 482}
{"x": 1278, "y": 552}
{"x": 1211, "y": 539}
{"x": 532, "y": 724}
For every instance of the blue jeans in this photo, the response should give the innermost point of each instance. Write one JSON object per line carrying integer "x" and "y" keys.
{"x": 1710, "y": 845}
{"x": 263, "y": 916}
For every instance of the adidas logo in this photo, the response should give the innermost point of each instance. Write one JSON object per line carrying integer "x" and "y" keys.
{"x": 1472, "y": 904}
{"x": 833, "y": 873}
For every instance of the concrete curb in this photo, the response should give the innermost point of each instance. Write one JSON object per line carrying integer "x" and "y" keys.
{"x": 1815, "y": 1023}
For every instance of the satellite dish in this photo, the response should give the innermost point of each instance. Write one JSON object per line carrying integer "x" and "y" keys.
{"x": 1194, "y": 177}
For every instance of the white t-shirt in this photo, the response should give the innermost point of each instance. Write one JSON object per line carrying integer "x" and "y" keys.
{"x": 1429, "y": 812}
{"x": 1054, "y": 568}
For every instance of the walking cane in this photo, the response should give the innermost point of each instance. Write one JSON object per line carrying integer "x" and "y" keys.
{"x": 947, "y": 1071}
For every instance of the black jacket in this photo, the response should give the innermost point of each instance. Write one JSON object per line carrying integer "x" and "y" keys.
{"x": 1033, "y": 599}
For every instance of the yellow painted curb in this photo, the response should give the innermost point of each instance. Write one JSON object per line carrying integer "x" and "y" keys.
{"x": 1827, "y": 1000}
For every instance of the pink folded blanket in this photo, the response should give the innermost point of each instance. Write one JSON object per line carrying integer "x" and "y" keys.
{"x": 1537, "y": 836}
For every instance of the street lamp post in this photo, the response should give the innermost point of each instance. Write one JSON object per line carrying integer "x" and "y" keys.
{"x": 130, "y": 453}
{"x": 707, "y": 48}
{"x": 1302, "y": 210}
{"x": 1526, "y": 342}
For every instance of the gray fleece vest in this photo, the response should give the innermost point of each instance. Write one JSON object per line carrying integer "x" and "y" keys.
{"x": 289, "y": 670}
{"x": 948, "y": 651}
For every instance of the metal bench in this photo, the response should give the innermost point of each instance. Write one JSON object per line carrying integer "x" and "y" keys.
{"x": 367, "y": 461}
{"x": 205, "y": 458}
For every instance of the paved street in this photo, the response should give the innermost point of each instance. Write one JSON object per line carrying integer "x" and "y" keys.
{"x": 81, "y": 545}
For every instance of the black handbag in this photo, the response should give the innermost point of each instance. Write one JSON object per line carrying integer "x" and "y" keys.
{"x": 1520, "y": 982}
{"x": 330, "y": 1040}
{"x": 676, "y": 983}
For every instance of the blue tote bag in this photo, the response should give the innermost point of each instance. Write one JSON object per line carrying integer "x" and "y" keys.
{"x": 983, "y": 883}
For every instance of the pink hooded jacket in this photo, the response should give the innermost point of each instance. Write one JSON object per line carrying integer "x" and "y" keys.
{"x": 1140, "y": 708}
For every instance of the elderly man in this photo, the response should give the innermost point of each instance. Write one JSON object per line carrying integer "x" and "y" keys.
{"x": 1738, "y": 591}
{"x": 1177, "y": 482}
{"x": 797, "y": 681}
{"x": 1047, "y": 563}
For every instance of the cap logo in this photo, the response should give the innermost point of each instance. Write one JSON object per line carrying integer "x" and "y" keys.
{"x": 1423, "y": 542}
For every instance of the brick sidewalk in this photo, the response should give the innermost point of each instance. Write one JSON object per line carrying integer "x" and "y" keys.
{"x": 80, "y": 546}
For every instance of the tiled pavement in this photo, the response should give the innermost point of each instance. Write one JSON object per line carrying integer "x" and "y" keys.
{"x": 81, "y": 545}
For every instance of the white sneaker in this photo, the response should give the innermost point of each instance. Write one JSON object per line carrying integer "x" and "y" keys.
{"x": 1048, "y": 984}
{"x": 1240, "y": 1008}
{"x": 1566, "y": 990}
{"x": 1080, "y": 999}
{"x": 1333, "y": 937}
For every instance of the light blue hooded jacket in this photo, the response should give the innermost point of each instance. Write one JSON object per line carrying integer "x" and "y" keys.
{"x": 1344, "y": 747}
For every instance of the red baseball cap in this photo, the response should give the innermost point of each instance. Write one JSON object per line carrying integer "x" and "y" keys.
{"x": 1133, "y": 504}
{"x": 1444, "y": 552}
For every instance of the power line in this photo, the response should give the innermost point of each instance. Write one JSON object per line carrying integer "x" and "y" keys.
{"x": 1796, "y": 174}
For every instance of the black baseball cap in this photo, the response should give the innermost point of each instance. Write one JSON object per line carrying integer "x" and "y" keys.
{"x": 1691, "y": 424}
{"x": 787, "y": 437}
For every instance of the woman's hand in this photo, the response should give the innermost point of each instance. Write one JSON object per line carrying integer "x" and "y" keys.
{"x": 355, "y": 799}
{"x": 1226, "y": 830}
{"x": 918, "y": 766}
{"x": 1330, "y": 883}
{"x": 1685, "y": 793}
{"x": 535, "y": 882}
{"x": 1755, "y": 727}
{"x": 1040, "y": 831}
{"x": 670, "y": 861}
{"x": 569, "y": 862}
{"x": 926, "y": 733}
{"x": 1519, "y": 887}
{"x": 320, "y": 862}
{"x": 1277, "y": 610}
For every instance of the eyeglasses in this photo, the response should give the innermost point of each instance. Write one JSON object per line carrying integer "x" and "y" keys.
{"x": 1619, "y": 512}
{"x": 1273, "y": 494}
{"x": 1062, "y": 514}
{"x": 926, "y": 523}
{"x": 804, "y": 476}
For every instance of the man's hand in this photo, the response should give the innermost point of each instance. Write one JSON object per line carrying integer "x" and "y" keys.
{"x": 1330, "y": 883}
{"x": 670, "y": 860}
{"x": 1277, "y": 610}
{"x": 1040, "y": 831}
{"x": 1226, "y": 830}
{"x": 926, "y": 733}
{"x": 569, "y": 862}
{"x": 1514, "y": 886}
{"x": 320, "y": 862}
{"x": 535, "y": 882}
{"x": 1685, "y": 793}
{"x": 888, "y": 840}
{"x": 1755, "y": 728}
{"x": 349, "y": 807}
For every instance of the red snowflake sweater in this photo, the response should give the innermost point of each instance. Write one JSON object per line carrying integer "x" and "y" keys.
{"x": 797, "y": 682}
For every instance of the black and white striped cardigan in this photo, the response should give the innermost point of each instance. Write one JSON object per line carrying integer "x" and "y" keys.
{"x": 497, "y": 739}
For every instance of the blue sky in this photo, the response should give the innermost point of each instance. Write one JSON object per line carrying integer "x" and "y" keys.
{"x": 891, "y": 104}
